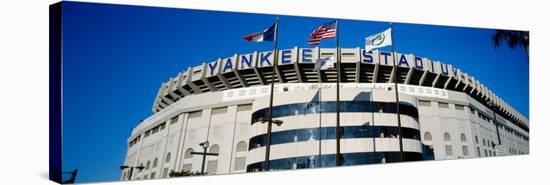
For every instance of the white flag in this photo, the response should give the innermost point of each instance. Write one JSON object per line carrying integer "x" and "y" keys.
{"x": 378, "y": 40}
{"x": 324, "y": 63}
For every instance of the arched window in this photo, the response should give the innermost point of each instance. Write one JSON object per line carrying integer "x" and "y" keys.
{"x": 446, "y": 136}
{"x": 155, "y": 162}
{"x": 215, "y": 149}
{"x": 427, "y": 136}
{"x": 167, "y": 160}
{"x": 188, "y": 153}
{"x": 148, "y": 165}
{"x": 212, "y": 165}
{"x": 463, "y": 137}
{"x": 241, "y": 146}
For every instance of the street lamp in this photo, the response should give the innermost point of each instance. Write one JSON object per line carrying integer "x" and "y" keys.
{"x": 131, "y": 169}
{"x": 268, "y": 144}
{"x": 204, "y": 146}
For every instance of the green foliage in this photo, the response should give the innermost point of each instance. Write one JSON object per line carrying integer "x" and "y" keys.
{"x": 511, "y": 38}
{"x": 184, "y": 173}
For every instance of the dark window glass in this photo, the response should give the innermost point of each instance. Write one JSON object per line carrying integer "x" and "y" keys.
{"x": 329, "y": 107}
{"x": 317, "y": 161}
{"x": 302, "y": 135}
{"x": 330, "y": 133}
{"x": 301, "y": 162}
{"x": 348, "y": 159}
{"x": 292, "y": 136}
{"x": 330, "y": 160}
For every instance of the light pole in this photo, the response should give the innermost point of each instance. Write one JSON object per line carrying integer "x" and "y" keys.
{"x": 268, "y": 143}
{"x": 204, "y": 146}
{"x": 131, "y": 169}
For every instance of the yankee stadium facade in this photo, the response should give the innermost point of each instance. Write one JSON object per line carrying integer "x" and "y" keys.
{"x": 445, "y": 114}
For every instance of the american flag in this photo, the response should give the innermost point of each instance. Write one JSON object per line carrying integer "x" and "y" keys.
{"x": 324, "y": 31}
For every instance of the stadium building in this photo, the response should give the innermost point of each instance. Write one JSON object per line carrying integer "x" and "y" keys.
{"x": 445, "y": 114}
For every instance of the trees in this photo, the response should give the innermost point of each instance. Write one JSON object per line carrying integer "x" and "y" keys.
{"x": 512, "y": 39}
{"x": 184, "y": 173}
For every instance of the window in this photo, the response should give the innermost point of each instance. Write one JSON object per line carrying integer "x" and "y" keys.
{"x": 325, "y": 133}
{"x": 147, "y": 133}
{"x": 478, "y": 152}
{"x": 155, "y": 130}
{"x": 463, "y": 137}
{"x": 165, "y": 173}
{"x": 167, "y": 160}
{"x": 443, "y": 105}
{"x": 484, "y": 142}
{"x": 162, "y": 126}
{"x": 459, "y": 107}
{"x": 244, "y": 107}
{"x": 240, "y": 163}
{"x": 174, "y": 119}
{"x": 241, "y": 146}
{"x": 219, "y": 110}
{"x": 447, "y": 136}
{"x": 153, "y": 175}
{"x": 381, "y": 107}
{"x": 301, "y": 163}
{"x": 195, "y": 114}
{"x": 188, "y": 153}
{"x": 472, "y": 111}
{"x": 424, "y": 103}
{"x": 155, "y": 162}
{"x": 465, "y": 151}
{"x": 486, "y": 153}
{"x": 215, "y": 149}
{"x": 427, "y": 136}
{"x": 449, "y": 150}
{"x": 148, "y": 165}
{"x": 477, "y": 140}
{"x": 212, "y": 166}
{"x": 330, "y": 106}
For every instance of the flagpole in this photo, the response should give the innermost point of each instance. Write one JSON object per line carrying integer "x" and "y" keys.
{"x": 270, "y": 119}
{"x": 396, "y": 95}
{"x": 337, "y": 95}
{"x": 320, "y": 90}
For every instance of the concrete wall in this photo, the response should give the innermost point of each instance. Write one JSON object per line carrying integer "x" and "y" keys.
{"x": 227, "y": 122}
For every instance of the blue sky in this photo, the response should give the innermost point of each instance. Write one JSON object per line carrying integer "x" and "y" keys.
{"x": 116, "y": 57}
